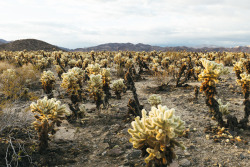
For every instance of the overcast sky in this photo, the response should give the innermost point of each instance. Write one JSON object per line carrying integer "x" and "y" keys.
{"x": 82, "y": 23}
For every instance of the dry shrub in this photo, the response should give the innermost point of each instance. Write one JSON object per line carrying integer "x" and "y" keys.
{"x": 29, "y": 75}
{"x": 13, "y": 81}
{"x": 5, "y": 65}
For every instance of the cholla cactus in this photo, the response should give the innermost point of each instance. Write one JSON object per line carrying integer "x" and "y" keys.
{"x": 223, "y": 108}
{"x": 48, "y": 81}
{"x": 79, "y": 74}
{"x": 212, "y": 71}
{"x": 118, "y": 58}
{"x": 82, "y": 111}
{"x": 118, "y": 86}
{"x": 210, "y": 76}
{"x": 106, "y": 78}
{"x": 154, "y": 100}
{"x": 245, "y": 84}
{"x": 104, "y": 63}
{"x": 85, "y": 63}
{"x": 95, "y": 89}
{"x": 42, "y": 64}
{"x": 49, "y": 112}
{"x": 165, "y": 63}
{"x": 93, "y": 69}
{"x": 59, "y": 71}
{"x": 129, "y": 63}
{"x": 155, "y": 135}
{"x": 70, "y": 82}
{"x": 238, "y": 68}
{"x": 155, "y": 67}
{"x": 72, "y": 63}
{"x": 197, "y": 70}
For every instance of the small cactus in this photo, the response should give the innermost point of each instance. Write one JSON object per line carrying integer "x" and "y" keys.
{"x": 49, "y": 112}
{"x": 48, "y": 81}
{"x": 154, "y": 100}
{"x": 118, "y": 86}
{"x": 96, "y": 90}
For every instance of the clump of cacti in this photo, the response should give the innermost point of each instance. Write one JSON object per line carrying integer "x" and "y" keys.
{"x": 95, "y": 87}
{"x": 155, "y": 132}
{"x": 48, "y": 113}
{"x": 154, "y": 100}
{"x": 118, "y": 86}
{"x": 48, "y": 82}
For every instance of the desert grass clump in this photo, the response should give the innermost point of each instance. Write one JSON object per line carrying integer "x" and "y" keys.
{"x": 48, "y": 113}
{"x": 154, "y": 100}
{"x": 155, "y": 132}
{"x": 118, "y": 86}
{"x": 4, "y": 66}
{"x": 48, "y": 81}
{"x": 210, "y": 76}
{"x": 95, "y": 88}
{"x": 10, "y": 83}
{"x": 13, "y": 81}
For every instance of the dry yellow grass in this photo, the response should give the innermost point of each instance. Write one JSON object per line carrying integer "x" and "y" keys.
{"x": 5, "y": 65}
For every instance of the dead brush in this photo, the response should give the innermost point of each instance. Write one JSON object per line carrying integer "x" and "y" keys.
{"x": 5, "y": 65}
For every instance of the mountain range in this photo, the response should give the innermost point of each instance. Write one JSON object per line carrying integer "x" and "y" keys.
{"x": 34, "y": 44}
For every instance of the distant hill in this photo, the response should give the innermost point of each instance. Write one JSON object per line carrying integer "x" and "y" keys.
{"x": 29, "y": 45}
{"x": 2, "y": 41}
{"x": 120, "y": 46}
{"x": 145, "y": 47}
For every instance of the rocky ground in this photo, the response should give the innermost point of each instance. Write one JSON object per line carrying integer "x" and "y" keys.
{"x": 104, "y": 141}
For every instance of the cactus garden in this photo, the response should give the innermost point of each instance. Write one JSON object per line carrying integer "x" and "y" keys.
{"x": 124, "y": 108}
